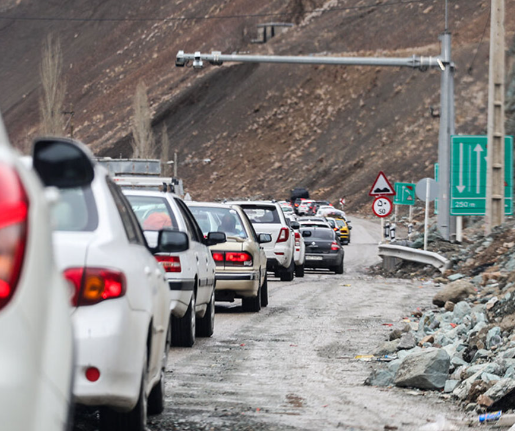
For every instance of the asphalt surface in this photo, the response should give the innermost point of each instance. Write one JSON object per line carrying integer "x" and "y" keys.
{"x": 292, "y": 366}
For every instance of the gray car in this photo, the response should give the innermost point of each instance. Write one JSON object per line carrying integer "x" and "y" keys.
{"x": 323, "y": 250}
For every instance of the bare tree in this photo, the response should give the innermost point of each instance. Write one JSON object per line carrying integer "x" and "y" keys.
{"x": 165, "y": 150}
{"x": 141, "y": 127}
{"x": 53, "y": 88}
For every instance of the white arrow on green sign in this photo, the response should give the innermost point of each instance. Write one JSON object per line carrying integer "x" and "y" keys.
{"x": 404, "y": 194}
{"x": 468, "y": 175}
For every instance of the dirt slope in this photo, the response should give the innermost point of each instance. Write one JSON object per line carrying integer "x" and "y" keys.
{"x": 265, "y": 128}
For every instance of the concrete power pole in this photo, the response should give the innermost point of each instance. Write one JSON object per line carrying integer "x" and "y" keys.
{"x": 495, "y": 154}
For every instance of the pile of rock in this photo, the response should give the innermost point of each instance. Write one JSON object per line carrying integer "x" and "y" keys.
{"x": 466, "y": 348}
{"x": 464, "y": 345}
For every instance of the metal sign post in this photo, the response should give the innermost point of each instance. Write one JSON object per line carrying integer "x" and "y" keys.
{"x": 426, "y": 190}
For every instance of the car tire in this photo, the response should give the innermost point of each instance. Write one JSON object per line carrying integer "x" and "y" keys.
{"x": 339, "y": 269}
{"x": 289, "y": 273}
{"x": 206, "y": 324}
{"x": 252, "y": 304}
{"x": 299, "y": 270}
{"x": 184, "y": 328}
{"x": 156, "y": 399}
{"x": 264, "y": 293}
{"x": 134, "y": 420}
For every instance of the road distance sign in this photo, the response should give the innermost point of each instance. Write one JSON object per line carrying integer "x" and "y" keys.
{"x": 382, "y": 206}
{"x": 468, "y": 175}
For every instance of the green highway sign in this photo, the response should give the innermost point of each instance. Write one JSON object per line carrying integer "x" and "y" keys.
{"x": 468, "y": 175}
{"x": 404, "y": 194}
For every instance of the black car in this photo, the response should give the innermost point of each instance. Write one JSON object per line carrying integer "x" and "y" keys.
{"x": 323, "y": 250}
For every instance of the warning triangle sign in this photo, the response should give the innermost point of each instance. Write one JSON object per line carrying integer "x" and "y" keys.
{"x": 382, "y": 186}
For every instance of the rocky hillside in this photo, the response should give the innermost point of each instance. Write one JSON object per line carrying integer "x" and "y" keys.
{"x": 265, "y": 128}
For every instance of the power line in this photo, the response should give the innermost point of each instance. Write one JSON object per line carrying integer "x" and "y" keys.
{"x": 182, "y": 18}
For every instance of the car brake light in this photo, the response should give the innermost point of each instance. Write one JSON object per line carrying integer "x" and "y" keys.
{"x": 297, "y": 239}
{"x": 238, "y": 258}
{"x": 13, "y": 231}
{"x": 93, "y": 285}
{"x": 335, "y": 246}
{"x": 218, "y": 256}
{"x": 284, "y": 234}
{"x": 170, "y": 263}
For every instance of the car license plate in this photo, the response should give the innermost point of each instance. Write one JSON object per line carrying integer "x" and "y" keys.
{"x": 313, "y": 257}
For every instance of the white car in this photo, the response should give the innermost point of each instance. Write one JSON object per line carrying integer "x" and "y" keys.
{"x": 120, "y": 304}
{"x": 35, "y": 327}
{"x": 304, "y": 206}
{"x": 190, "y": 273}
{"x": 267, "y": 217}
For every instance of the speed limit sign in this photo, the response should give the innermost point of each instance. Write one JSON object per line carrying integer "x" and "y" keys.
{"x": 382, "y": 206}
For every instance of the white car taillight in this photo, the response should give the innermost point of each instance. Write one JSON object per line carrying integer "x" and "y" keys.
{"x": 170, "y": 263}
{"x": 297, "y": 239}
{"x": 94, "y": 285}
{"x": 284, "y": 234}
{"x": 13, "y": 231}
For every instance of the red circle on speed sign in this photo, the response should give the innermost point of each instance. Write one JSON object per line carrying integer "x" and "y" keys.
{"x": 382, "y": 206}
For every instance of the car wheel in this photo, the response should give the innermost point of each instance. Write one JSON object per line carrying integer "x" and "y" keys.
{"x": 134, "y": 420}
{"x": 264, "y": 292}
{"x": 252, "y": 304}
{"x": 339, "y": 268}
{"x": 156, "y": 399}
{"x": 289, "y": 273}
{"x": 299, "y": 270}
{"x": 183, "y": 328}
{"x": 206, "y": 324}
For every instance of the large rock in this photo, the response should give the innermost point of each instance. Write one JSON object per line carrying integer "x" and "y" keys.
{"x": 455, "y": 292}
{"x": 427, "y": 369}
{"x": 502, "y": 394}
{"x": 388, "y": 348}
{"x": 407, "y": 342}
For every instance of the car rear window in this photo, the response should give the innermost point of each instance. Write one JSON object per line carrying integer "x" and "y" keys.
{"x": 216, "y": 219}
{"x": 322, "y": 233}
{"x": 76, "y": 211}
{"x": 261, "y": 214}
{"x": 153, "y": 213}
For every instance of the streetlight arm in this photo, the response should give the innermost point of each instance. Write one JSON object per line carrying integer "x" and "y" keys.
{"x": 217, "y": 58}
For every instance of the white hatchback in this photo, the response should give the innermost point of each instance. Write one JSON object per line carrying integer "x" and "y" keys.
{"x": 35, "y": 327}
{"x": 120, "y": 304}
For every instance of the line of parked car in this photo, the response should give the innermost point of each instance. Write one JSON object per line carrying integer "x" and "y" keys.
{"x": 97, "y": 282}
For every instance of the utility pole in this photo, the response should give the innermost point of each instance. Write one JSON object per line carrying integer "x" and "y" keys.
{"x": 495, "y": 154}
{"x": 446, "y": 223}
{"x": 175, "y": 161}
{"x": 71, "y": 113}
{"x": 443, "y": 62}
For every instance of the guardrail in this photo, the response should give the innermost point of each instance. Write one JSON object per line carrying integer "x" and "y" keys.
{"x": 414, "y": 255}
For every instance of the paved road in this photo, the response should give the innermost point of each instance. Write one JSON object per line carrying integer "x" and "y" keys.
{"x": 292, "y": 365}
